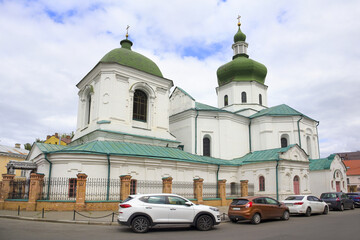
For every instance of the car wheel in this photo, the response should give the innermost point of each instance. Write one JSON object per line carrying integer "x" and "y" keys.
{"x": 140, "y": 224}
{"x": 204, "y": 223}
{"x": 326, "y": 210}
{"x": 285, "y": 216}
{"x": 352, "y": 207}
{"x": 308, "y": 212}
{"x": 234, "y": 220}
{"x": 256, "y": 218}
{"x": 341, "y": 207}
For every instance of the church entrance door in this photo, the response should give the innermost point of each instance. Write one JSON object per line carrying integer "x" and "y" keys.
{"x": 338, "y": 186}
{"x": 296, "y": 185}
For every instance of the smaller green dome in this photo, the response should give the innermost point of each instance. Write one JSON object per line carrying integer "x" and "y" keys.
{"x": 239, "y": 36}
{"x": 125, "y": 56}
{"x": 241, "y": 69}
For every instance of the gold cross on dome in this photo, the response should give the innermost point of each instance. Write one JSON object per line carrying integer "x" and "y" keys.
{"x": 238, "y": 18}
{"x": 127, "y": 31}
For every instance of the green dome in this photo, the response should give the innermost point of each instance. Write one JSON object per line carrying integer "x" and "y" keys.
{"x": 239, "y": 36}
{"x": 125, "y": 56}
{"x": 241, "y": 69}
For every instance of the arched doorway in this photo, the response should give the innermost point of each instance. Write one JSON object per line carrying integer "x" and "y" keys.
{"x": 296, "y": 185}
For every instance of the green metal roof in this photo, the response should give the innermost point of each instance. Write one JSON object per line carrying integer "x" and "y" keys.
{"x": 321, "y": 163}
{"x": 280, "y": 110}
{"x": 45, "y": 147}
{"x": 125, "y": 56}
{"x": 205, "y": 107}
{"x": 133, "y": 150}
{"x": 261, "y": 156}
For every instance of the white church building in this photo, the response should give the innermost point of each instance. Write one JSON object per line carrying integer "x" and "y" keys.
{"x": 130, "y": 123}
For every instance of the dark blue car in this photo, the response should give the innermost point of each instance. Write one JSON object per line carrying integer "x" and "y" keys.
{"x": 355, "y": 196}
{"x": 337, "y": 200}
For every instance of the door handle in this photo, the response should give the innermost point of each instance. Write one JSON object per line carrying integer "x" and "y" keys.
{"x": 172, "y": 208}
{"x": 148, "y": 207}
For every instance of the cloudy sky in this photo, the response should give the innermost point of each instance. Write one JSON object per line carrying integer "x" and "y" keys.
{"x": 310, "y": 48}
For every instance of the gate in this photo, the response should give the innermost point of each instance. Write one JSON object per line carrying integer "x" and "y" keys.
{"x": 19, "y": 189}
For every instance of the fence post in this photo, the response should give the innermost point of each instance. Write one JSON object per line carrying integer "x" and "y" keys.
{"x": 198, "y": 190}
{"x": 244, "y": 188}
{"x": 125, "y": 186}
{"x": 35, "y": 190}
{"x": 80, "y": 191}
{"x": 222, "y": 191}
{"x": 167, "y": 184}
{"x": 6, "y": 188}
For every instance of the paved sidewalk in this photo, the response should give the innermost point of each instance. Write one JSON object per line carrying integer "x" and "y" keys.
{"x": 84, "y": 217}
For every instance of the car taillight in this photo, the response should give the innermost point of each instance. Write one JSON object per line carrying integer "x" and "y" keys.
{"x": 298, "y": 203}
{"x": 249, "y": 204}
{"x": 356, "y": 197}
{"x": 125, "y": 205}
{"x": 337, "y": 199}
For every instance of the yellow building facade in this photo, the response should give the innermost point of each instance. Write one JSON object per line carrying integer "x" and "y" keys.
{"x": 11, "y": 153}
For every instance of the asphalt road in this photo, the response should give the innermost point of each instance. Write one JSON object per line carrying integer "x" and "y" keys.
{"x": 335, "y": 225}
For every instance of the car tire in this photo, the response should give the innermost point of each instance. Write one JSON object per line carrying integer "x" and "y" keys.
{"x": 308, "y": 212}
{"x": 352, "y": 207}
{"x": 204, "y": 223}
{"x": 326, "y": 210}
{"x": 140, "y": 224}
{"x": 285, "y": 216}
{"x": 256, "y": 218}
{"x": 341, "y": 207}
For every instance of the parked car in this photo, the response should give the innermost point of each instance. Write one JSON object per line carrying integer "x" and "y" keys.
{"x": 337, "y": 200}
{"x": 306, "y": 204}
{"x": 355, "y": 196}
{"x": 256, "y": 209}
{"x": 142, "y": 211}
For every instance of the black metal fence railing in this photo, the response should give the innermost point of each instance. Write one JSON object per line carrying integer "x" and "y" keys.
{"x": 185, "y": 189}
{"x": 233, "y": 189}
{"x": 97, "y": 189}
{"x": 251, "y": 189}
{"x": 59, "y": 188}
{"x": 145, "y": 186}
{"x": 19, "y": 189}
{"x": 210, "y": 190}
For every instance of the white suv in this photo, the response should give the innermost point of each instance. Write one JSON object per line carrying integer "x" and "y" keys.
{"x": 142, "y": 211}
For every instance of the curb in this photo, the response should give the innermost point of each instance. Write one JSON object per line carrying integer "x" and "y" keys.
{"x": 59, "y": 221}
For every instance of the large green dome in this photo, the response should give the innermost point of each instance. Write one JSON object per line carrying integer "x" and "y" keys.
{"x": 125, "y": 56}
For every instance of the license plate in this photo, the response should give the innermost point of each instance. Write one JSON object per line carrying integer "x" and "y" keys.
{"x": 236, "y": 208}
{"x": 288, "y": 204}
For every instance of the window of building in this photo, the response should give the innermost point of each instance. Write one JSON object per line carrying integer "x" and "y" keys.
{"x": 88, "y": 108}
{"x": 234, "y": 188}
{"x": 133, "y": 186}
{"x": 308, "y": 145}
{"x": 243, "y": 97}
{"x": 206, "y": 146}
{"x": 284, "y": 140}
{"x": 72, "y": 187}
{"x": 226, "y": 100}
{"x": 140, "y": 106}
{"x": 260, "y": 99}
{"x": 296, "y": 183}
{"x": 261, "y": 183}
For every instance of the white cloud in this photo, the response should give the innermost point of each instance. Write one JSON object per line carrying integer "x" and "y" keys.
{"x": 309, "y": 47}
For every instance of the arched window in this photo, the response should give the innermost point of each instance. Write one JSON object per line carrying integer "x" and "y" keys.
{"x": 296, "y": 185}
{"x": 308, "y": 145}
{"x": 284, "y": 142}
{"x": 140, "y": 106}
{"x": 261, "y": 183}
{"x": 243, "y": 97}
{"x": 206, "y": 146}
{"x": 226, "y": 100}
{"x": 260, "y": 99}
{"x": 88, "y": 108}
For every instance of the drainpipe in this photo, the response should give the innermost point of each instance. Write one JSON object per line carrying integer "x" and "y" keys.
{"x": 298, "y": 125}
{"x": 197, "y": 114}
{"x": 317, "y": 135}
{"x": 217, "y": 180}
{"x": 108, "y": 179}
{"x": 250, "y": 150}
{"x": 50, "y": 168}
{"x": 277, "y": 180}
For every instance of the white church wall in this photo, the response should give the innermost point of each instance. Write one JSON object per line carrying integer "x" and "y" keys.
{"x": 180, "y": 102}
{"x": 320, "y": 182}
{"x": 182, "y": 126}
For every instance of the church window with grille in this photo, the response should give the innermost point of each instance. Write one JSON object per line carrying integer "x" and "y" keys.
{"x": 261, "y": 183}
{"x": 140, "y": 106}
{"x": 206, "y": 146}
{"x": 260, "y": 99}
{"x": 226, "y": 100}
{"x": 243, "y": 97}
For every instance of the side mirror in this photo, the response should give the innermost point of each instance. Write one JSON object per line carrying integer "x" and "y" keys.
{"x": 188, "y": 204}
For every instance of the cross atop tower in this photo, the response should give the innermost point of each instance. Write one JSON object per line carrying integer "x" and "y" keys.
{"x": 127, "y": 31}
{"x": 238, "y": 18}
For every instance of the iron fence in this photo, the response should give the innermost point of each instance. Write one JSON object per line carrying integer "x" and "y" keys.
{"x": 210, "y": 190}
{"x": 19, "y": 189}
{"x": 233, "y": 189}
{"x": 145, "y": 186}
{"x": 59, "y": 188}
{"x": 97, "y": 189}
{"x": 251, "y": 189}
{"x": 185, "y": 189}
